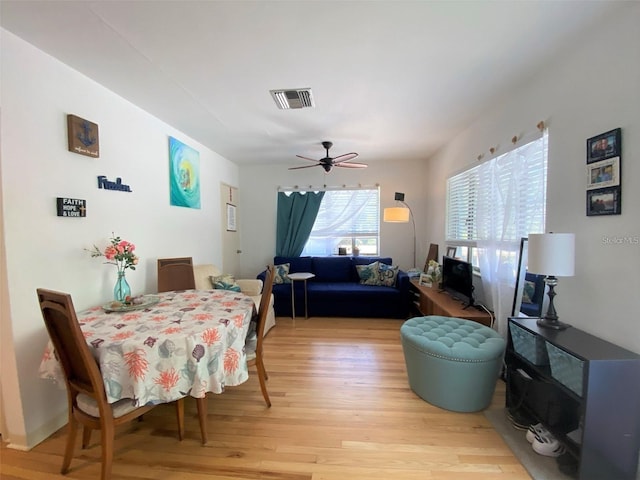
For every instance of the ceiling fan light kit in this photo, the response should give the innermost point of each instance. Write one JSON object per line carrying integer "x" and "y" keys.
{"x": 327, "y": 163}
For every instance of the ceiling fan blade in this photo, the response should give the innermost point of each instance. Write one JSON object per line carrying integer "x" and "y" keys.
{"x": 345, "y": 158}
{"x": 305, "y": 166}
{"x": 350, "y": 165}
{"x": 307, "y": 158}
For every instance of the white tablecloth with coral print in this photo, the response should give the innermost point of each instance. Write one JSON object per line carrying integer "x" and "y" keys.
{"x": 189, "y": 343}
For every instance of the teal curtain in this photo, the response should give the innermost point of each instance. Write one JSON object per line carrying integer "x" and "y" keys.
{"x": 296, "y": 214}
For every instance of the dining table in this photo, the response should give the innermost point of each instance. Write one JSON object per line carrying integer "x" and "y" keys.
{"x": 166, "y": 346}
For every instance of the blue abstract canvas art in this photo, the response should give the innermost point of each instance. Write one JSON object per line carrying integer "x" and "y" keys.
{"x": 184, "y": 175}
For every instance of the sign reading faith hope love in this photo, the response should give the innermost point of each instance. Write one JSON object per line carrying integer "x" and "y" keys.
{"x": 71, "y": 207}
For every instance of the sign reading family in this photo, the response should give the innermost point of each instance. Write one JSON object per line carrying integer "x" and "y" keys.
{"x": 71, "y": 207}
{"x": 109, "y": 185}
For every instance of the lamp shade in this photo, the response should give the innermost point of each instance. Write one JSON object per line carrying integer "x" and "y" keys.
{"x": 551, "y": 254}
{"x": 396, "y": 215}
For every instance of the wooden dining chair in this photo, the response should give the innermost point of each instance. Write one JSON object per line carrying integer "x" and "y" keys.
{"x": 86, "y": 395}
{"x": 255, "y": 337}
{"x": 175, "y": 274}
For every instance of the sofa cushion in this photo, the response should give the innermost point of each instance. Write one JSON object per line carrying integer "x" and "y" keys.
{"x": 202, "y": 274}
{"x": 332, "y": 269}
{"x": 296, "y": 264}
{"x": 365, "y": 261}
{"x": 388, "y": 275}
{"x": 369, "y": 274}
{"x": 282, "y": 274}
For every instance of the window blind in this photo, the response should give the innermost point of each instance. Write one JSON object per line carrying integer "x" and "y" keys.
{"x": 512, "y": 186}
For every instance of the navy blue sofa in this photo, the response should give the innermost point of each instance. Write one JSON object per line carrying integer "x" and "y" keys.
{"x": 533, "y": 295}
{"x": 335, "y": 291}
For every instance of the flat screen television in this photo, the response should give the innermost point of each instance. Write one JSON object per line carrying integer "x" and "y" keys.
{"x": 457, "y": 279}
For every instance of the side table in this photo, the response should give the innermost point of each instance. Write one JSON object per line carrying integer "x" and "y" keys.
{"x": 294, "y": 277}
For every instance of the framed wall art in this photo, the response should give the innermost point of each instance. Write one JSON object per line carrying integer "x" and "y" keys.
{"x": 231, "y": 218}
{"x": 605, "y": 145}
{"x": 604, "y": 201}
{"x": 184, "y": 175}
{"x": 604, "y": 174}
{"x": 82, "y": 136}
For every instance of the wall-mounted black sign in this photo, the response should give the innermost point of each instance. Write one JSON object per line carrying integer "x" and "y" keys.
{"x": 71, "y": 207}
{"x": 109, "y": 185}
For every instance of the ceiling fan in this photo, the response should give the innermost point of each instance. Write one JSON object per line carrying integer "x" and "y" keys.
{"x": 328, "y": 162}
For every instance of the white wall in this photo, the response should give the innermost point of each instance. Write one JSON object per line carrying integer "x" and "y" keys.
{"x": 259, "y": 188}
{"x": 587, "y": 91}
{"x": 43, "y": 250}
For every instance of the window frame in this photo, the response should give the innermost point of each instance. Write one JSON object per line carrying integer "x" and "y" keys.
{"x": 353, "y": 236}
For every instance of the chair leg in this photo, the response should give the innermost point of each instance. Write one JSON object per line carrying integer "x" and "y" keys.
{"x": 180, "y": 414}
{"x": 262, "y": 376}
{"x": 71, "y": 441}
{"x": 202, "y": 417}
{"x": 107, "y": 434}
{"x": 86, "y": 437}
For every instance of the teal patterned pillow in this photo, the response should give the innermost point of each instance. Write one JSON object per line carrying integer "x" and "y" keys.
{"x": 281, "y": 274}
{"x": 388, "y": 275}
{"x": 224, "y": 282}
{"x": 369, "y": 274}
{"x": 528, "y": 291}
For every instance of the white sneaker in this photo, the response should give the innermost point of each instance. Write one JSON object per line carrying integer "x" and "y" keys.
{"x": 537, "y": 429}
{"x": 547, "y": 446}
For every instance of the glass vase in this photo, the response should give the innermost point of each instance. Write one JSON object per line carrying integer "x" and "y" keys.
{"x": 122, "y": 290}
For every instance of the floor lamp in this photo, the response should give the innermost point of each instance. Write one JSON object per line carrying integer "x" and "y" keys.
{"x": 401, "y": 214}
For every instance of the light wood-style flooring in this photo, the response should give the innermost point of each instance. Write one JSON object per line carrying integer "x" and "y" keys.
{"x": 342, "y": 409}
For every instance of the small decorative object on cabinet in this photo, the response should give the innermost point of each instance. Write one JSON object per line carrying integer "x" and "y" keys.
{"x": 586, "y": 392}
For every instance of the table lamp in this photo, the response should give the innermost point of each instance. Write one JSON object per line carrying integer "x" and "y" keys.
{"x": 553, "y": 255}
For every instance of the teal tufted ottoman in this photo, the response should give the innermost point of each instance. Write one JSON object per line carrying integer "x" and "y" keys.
{"x": 452, "y": 363}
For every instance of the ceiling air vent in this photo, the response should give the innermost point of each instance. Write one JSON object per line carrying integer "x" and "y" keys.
{"x": 298, "y": 98}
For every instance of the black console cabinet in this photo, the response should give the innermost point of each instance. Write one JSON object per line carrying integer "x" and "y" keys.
{"x": 584, "y": 389}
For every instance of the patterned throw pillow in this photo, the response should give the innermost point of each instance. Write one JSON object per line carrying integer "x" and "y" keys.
{"x": 369, "y": 274}
{"x": 224, "y": 282}
{"x": 528, "y": 291}
{"x": 281, "y": 274}
{"x": 388, "y": 275}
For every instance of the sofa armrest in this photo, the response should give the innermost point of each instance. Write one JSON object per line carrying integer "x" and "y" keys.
{"x": 250, "y": 286}
{"x": 262, "y": 276}
{"x": 402, "y": 281}
{"x": 402, "y": 284}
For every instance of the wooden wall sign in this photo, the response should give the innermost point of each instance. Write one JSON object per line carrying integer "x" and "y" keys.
{"x": 71, "y": 207}
{"x": 83, "y": 136}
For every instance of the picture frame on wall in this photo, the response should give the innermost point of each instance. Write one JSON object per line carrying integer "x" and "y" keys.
{"x": 82, "y": 136}
{"x": 605, "y": 145}
{"x": 231, "y": 218}
{"x": 605, "y": 173}
{"x": 604, "y": 201}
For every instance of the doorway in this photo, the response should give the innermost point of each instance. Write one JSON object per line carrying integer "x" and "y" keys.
{"x": 230, "y": 210}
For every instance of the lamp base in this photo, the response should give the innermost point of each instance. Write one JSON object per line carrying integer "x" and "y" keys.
{"x": 554, "y": 324}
